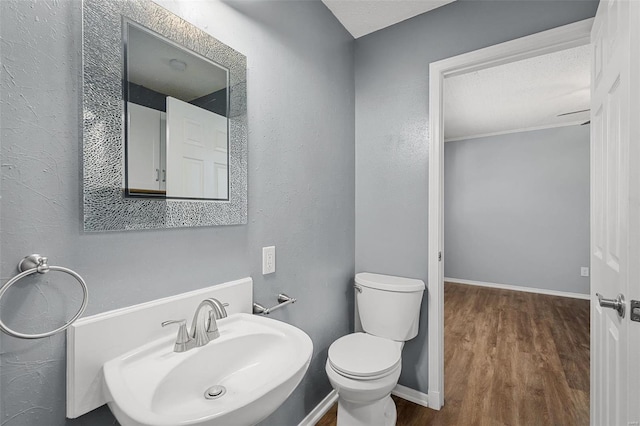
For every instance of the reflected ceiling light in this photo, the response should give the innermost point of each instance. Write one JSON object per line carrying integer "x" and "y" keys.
{"x": 177, "y": 65}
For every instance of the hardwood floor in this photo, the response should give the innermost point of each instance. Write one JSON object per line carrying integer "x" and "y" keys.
{"x": 511, "y": 358}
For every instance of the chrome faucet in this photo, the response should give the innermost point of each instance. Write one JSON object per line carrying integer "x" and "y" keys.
{"x": 204, "y": 333}
{"x": 201, "y": 333}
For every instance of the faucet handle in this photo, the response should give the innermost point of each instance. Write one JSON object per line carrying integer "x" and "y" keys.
{"x": 183, "y": 335}
{"x": 168, "y": 322}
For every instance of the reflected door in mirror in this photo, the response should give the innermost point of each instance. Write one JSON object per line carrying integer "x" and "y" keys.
{"x": 196, "y": 152}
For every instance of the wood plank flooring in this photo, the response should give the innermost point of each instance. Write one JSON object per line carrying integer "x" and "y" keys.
{"x": 511, "y": 358}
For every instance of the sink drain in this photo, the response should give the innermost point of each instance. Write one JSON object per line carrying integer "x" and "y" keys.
{"x": 215, "y": 392}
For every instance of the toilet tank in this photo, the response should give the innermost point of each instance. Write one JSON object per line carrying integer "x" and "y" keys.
{"x": 389, "y": 306}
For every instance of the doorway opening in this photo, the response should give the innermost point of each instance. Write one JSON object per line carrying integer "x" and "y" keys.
{"x": 559, "y": 39}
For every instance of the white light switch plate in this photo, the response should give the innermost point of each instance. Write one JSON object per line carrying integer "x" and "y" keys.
{"x": 268, "y": 260}
{"x": 584, "y": 271}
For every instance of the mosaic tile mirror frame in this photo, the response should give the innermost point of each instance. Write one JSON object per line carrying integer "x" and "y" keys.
{"x": 106, "y": 208}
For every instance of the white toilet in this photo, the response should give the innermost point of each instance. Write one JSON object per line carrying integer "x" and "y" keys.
{"x": 364, "y": 367}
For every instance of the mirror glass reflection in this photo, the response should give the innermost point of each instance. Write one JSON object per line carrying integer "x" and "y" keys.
{"x": 177, "y": 108}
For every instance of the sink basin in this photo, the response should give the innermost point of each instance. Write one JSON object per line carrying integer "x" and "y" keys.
{"x": 254, "y": 366}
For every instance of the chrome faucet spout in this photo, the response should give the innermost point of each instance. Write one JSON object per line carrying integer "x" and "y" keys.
{"x": 220, "y": 307}
{"x": 203, "y": 333}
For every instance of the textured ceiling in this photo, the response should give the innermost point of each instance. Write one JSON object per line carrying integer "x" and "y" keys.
{"x": 526, "y": 94}
{"x": 149, "y": 66}
{"x": 361, "y": 17}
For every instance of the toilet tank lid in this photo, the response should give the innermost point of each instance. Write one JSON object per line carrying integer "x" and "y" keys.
{"x": 389, "y": 283}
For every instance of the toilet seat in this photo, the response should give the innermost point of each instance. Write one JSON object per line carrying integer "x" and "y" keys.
{"x": 362, "y": 356}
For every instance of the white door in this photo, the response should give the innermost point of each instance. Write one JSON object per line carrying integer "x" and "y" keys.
{"x": 615, "y": 232}
{"x": 196, "y": 151}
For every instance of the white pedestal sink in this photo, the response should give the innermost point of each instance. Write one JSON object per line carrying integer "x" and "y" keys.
{"x": 256, "y": 363}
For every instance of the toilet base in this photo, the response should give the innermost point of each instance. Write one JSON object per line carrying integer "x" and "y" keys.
{"x": 378, "y": 413}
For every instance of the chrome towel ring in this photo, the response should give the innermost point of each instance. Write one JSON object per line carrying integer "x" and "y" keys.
{"x": 30, "y": 265}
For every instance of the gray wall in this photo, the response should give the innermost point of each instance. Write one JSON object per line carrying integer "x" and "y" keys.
{"x": 301, "y": 192}
{"x": 516, "y": 209}
{"x": 392, "y": 75}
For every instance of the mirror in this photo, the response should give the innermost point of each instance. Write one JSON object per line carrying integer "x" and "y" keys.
{"x": 176, "y": 119}
{"x": 164, "y": 121}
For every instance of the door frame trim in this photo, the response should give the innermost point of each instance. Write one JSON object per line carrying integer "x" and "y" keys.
{"x": 560, "y": 38}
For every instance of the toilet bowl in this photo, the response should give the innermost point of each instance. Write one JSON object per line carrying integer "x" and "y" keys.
{"x": 364, "y": 367}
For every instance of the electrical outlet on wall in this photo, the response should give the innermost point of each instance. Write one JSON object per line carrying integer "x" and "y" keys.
{"x": 584, "y": 271}
{"x": 268, "y": 260}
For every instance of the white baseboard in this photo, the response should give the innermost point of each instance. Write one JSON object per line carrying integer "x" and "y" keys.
{"x": 411, "y": 395}
{"x": 325, "y": 405}
{"x": 435, "y": 402}
{"x": 519, "y": 288}
{"x": 320, "y": 410}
